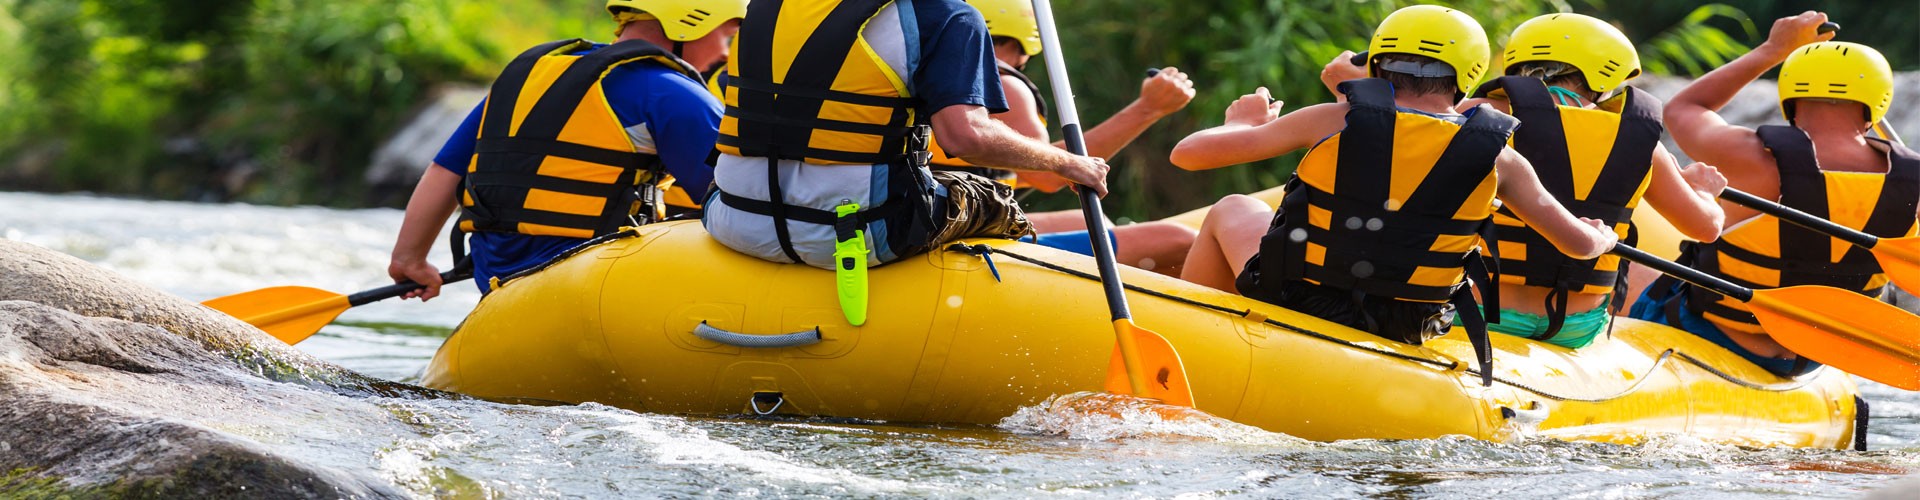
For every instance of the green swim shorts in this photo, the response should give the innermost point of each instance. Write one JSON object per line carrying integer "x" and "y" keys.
{"x": 1579, "y": 330}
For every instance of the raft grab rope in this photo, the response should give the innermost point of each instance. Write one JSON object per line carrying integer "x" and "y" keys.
{"x": 1250, "y": 314}
{"x": 795, "y": 339}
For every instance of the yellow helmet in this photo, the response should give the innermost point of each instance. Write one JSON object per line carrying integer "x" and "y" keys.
{"x": 1837, "y": 70}
{"x": 1600, "y": 51}
{"x": 1438, "y": 32}
{"x": 682, "y": 20}
{"x": 1011, "y": 19}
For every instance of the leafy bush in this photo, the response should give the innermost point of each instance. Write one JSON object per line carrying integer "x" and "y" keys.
{"x": 173, "y": 98}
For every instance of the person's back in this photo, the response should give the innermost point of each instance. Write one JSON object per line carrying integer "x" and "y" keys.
{"x": 538, "y": 169}
{"x": 849, "y": 133}
{"x": 1595, "y": 144}
{"x": 1380, "y": 223}
{"x": 1822, "y": 163}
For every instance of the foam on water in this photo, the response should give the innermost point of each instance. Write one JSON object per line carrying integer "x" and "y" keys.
{"x": 1101, "y": 416}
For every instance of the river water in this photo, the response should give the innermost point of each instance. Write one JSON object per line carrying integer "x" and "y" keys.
{"x": 478, "y": 449}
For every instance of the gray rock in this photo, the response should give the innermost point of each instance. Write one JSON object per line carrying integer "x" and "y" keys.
{"x": 1758, "y": 104}
{"x": 400, "y": 160}
{"x": 36, "y": 274}
{"x": 107, "y": 406}
{"x": 112, "y": 388}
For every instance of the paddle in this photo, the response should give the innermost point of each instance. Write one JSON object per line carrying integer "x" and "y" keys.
{"x": 1137, "y": 351}
{"x": 293, "y": 313}
{"x": 1849, "y": 331}
{"x": 1899, "y": 257}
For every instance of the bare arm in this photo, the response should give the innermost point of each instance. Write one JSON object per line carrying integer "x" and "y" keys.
{"x": 1023, "y": 116}
{"x": 1160, "y": 95}
{"x": 1692, "y": 117}
{"x": 432, "y": 202}
{"x": 970, "y": 134}
{"x": 1252, "y": 132}
{"x": 1687, "y": 197}
{"x": 1520, "y": 189}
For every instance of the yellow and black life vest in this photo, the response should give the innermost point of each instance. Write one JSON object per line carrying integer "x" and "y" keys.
{"x": 943, "y": 161}
{"x": 1768, "y": 253}
{"x": 1392, "y": 206}
{"x": 1597, "y": 163}
{"x": 551, "y": 158}
{"x": 806, "y": 84}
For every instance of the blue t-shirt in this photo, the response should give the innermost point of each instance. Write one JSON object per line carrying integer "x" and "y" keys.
{"x": 954, "y": 63}
{"x": 676, "y": 111}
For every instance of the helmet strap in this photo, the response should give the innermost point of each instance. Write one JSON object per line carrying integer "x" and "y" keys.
{"x": 677, "y": 45}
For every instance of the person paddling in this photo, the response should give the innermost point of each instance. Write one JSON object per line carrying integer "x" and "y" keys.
{"x": 1595, "y": 144}
{"x": 1822, "y": 162}
{"x": 1380, "y": 222}
{"x": 580, "y": 143}
{"x": 1160, "y": 245}
{"x": 836, "y": 156}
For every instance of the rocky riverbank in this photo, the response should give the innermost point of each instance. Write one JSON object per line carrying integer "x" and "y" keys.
{"x": 115, "y": 388}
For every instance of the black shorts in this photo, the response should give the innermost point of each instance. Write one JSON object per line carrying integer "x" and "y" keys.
{"x": 1392, "y": 319}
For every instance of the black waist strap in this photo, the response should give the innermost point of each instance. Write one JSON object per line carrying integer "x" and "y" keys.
{"x": 582, "y": 152}
{"x": 807, "y": 214}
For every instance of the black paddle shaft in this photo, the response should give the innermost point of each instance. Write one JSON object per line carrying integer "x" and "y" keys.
{"x": 1684, "y": 273}
{"x": 1799, "y": 218}
{"x": 401, "y": 288}
{"x": 1097, "y": 226}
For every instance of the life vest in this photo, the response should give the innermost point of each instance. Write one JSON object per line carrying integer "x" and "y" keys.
{"x": 551, "y": 158}
{"x": 806, "y": 84}
{"x": 943, "y": 161}
{"x": 1757, "y": 254}
{"x": 1391, "y": 206}
{"x": 1597, "y": 163}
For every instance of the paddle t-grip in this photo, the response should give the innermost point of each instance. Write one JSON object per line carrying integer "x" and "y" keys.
{"x": 1359, "y": 59}
{"x": 1827, "y": 27}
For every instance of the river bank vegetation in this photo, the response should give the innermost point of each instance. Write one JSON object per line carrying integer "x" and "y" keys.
{"x": 282, "y": 101}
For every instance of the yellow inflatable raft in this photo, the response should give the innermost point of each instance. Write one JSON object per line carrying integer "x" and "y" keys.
{"x": 663, "y": 319}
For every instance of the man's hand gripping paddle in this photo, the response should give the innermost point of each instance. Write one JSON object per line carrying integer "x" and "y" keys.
{"x": 1849, "y": 331}
{"x": 293, "y": 313}
{"x": 1143, "y": 363}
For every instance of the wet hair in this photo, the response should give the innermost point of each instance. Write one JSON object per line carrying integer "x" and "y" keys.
{"x": 1002, "y": 40}
{"x": 1406, "y": 84}
{"x": 1556, "y": 74}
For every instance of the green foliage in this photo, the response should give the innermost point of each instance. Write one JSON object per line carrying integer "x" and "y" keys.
{"x": 163, "y": 98}
{"x": 166, "y": 97}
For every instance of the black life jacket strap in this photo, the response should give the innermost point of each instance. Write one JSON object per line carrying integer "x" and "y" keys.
{"x": 777, "y": 209}
{"x": 757, "y": 85}
{"x": 1366, "y": 143}
{"x": 504, "y": 94}
{"x": 809, "y": 215}
{"x": 1476, "y": 326}
{"x": 1485, "y": 267}
{"x": 802, "y": 153}
{"x": 568, "y": 150}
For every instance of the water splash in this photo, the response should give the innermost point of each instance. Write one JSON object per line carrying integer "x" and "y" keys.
{"x": 1103, "y": 416}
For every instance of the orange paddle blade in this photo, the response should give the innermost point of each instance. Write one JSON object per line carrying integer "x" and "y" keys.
{"x": 289, "y": 313}
{"x": 1846, "y": 330}
{"x": 1900, "y": 258}
{"x": 1165, "y": 379}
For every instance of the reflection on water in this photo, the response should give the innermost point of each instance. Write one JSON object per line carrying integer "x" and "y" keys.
{"x": 1080, "y": 444}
